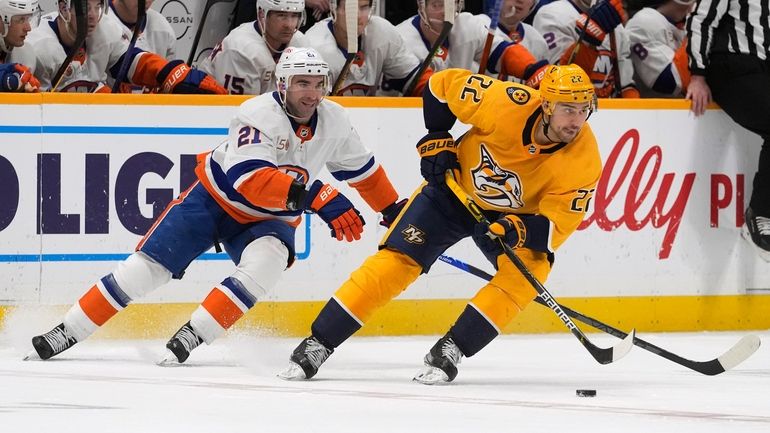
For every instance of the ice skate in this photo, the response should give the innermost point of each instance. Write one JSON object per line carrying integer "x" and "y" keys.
{"x": 180, "y": 346}
{"x": 51, "y": 343}
{"x": 441, "y": 363}
{"x": 757, "y": 232}
{"x": 305, "y": 360}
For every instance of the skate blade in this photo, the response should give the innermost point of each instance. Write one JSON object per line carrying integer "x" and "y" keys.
{"x": 32, "y": 356}
{"x": 432, "y": 376}
{"x": 292, "y": 372}
{"x": 764, "y": 255}
{"x": 169, "y": 360}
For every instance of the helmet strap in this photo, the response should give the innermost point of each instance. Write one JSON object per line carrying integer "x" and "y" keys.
{"x": 263, "y": 31}
{"x": 282, "y": 98}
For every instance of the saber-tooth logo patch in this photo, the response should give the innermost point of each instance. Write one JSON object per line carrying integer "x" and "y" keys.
{"x": 495, "y": 185}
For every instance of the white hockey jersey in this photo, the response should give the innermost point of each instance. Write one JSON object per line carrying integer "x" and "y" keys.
{"x": 243, "y": 64}
{"x": 556, "y": 22}
{"x": 157, "y": 37}
{"x": 464, "y": 46}
{"x": 382, "y": 58}
{"x": 89, "y": 67}
{"x": 262, "y": 136}
{"x": 654, "y": 41}
{"x": 528, "y": 36}
{"x": 19, "y": 56}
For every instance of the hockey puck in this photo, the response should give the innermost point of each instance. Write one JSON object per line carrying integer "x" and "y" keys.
{"x": 585, "y": 392}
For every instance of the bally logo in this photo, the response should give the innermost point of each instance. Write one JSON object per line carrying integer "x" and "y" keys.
{"x": 413, "y": 235}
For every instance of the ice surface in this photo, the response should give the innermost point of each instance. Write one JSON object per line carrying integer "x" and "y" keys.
{"x": 517, "y": 384}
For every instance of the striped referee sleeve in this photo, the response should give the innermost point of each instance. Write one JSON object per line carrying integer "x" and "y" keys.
{"x": 727, "y": 26}
{"x": 700, "y": 32}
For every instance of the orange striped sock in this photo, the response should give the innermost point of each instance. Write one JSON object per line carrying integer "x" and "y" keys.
{"x": 223, "y": 309}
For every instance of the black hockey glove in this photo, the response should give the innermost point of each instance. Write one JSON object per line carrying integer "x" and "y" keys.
{"x": 509, "y": 227}
{"x": 438, "y": 153}
{"x": 390, "y": 213}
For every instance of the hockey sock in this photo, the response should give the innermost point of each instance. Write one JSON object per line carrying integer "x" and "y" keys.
{"x": 334, "y": 325}
{"x": 223, "y": 306}
{"x": 98, "y": 305}
{"x": 472, "y": 331}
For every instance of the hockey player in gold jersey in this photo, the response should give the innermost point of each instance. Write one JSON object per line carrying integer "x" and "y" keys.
{"x": 529, "y": 160}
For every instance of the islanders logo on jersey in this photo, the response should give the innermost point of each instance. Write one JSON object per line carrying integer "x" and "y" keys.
{"x": 441, "y": 53}
{"x": 495, "y": 185}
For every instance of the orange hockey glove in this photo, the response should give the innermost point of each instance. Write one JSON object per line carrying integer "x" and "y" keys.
{"x": 336, "y": 210}
{"x": 604, "y": 17}
{"x": 630, "y": 92}
{"x": 178, "y": 77}
{"x": 15, "y": 77}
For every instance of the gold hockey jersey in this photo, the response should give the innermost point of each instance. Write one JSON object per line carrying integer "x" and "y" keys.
{"x": 501, "y": 165}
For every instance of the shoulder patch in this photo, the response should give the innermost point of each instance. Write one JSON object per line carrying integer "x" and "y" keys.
{"x": 518, "y": 95}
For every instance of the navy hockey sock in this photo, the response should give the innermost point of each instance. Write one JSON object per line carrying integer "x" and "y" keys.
{"x": 472, "y": 332}
{"x": 334, "y": 325}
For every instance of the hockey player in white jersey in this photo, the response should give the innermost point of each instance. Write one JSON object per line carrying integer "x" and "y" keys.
{"x": 382, "y": 59}
{"x": 250, "y": 196}
{"x": 512, "y": 24}
{"x": 562, "y": 22}
{"x": 244, "y": 62}
{"x": 658, "y": 46}
{"x": 17, "y": 18}
{"x": 156, "y": 36}
{"x": 102, "y": 55}
{"x": 465, "y": 45}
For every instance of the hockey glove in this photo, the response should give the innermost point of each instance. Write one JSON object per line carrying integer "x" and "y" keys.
{"x": 438, "y": 153}
{"x": 178, "y": 77}
{"x": 336, "y": 210}
{"x": 390, "y": 213}
{"x": 535, "y": 73}
{"x": 604, "y": 17}
{"x": 15, "y": 77}
{"x": 509, "y": 227}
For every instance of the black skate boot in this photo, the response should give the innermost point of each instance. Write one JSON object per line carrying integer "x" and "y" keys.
{"x": 306, "y": 359}
{"x": 757, "y": 229}
{"x": 53, "y": 342}
{"x": 441, "y": 361}
{"x": 181, "y": 344}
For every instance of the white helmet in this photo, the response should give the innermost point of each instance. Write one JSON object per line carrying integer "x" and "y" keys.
{"x": 300, "y": 61}
{"x": 12, "y": 8}
{"x": 297, "y": 6}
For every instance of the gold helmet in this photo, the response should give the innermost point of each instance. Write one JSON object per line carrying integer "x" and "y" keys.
{"x": 567, "y": 83}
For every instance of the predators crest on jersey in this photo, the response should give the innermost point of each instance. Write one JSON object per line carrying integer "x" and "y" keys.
{"x": 495, "y": 185}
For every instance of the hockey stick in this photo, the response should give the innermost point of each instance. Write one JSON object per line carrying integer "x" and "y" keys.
{"x": 81, "y": 15}
{"x": 602, "y": 355}
{"x": 141, "y": 14}
{"x": 615, "y": 67}
{"x": 581, "y": 36}
{"x": 351, "y": 27}
{"x": 446, "y": 28}
{"x": 732, "y": 357}
{"x": 493, "y": 21}
{"x": 199, "y": 31}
